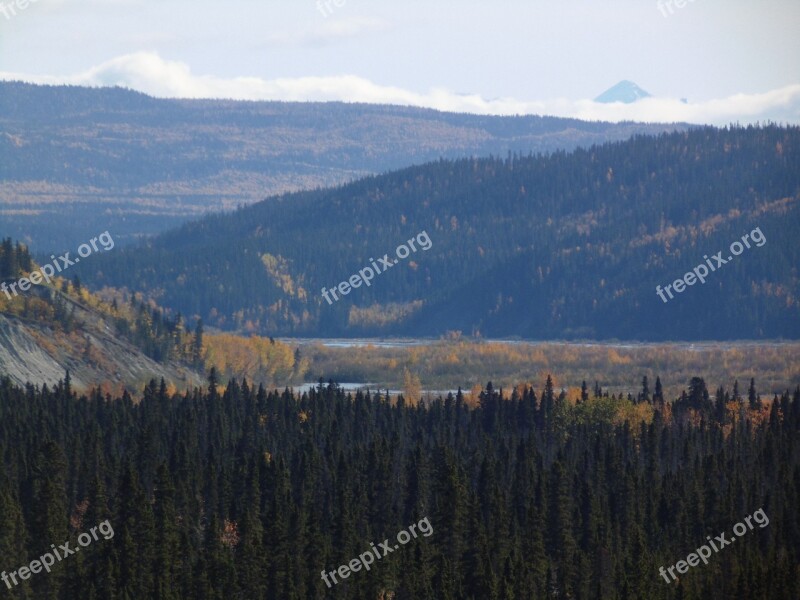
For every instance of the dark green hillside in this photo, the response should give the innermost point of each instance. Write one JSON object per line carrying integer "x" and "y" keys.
{"x": 560, "y": 246}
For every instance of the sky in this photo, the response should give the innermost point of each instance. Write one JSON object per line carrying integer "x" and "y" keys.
{"x": 731, "y": 61}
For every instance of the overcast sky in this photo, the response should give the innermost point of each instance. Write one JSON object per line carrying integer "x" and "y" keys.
{"x": 732, "y": 60}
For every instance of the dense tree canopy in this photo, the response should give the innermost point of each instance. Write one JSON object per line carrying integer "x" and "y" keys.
{"x": 246, "y": 493}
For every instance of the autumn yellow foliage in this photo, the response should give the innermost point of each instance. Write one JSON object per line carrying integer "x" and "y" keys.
{"x": 256, "y": 358}
{"x": 456, "y": 361}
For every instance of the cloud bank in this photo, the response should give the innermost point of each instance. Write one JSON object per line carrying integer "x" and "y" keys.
{"x": 149, "y": 73}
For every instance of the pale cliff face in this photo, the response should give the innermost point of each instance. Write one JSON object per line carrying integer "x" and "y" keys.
{"x": 30, "y": 352}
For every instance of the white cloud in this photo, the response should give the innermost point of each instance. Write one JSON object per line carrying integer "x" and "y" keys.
{"x": 149, "y": 73}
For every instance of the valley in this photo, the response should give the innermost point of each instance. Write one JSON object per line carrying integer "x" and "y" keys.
{"x": 309, "y": 326}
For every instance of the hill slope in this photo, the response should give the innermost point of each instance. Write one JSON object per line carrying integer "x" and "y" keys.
{"x": 38, "y": 350}
{"x": 564, "y": 246}
{"x": 112, "y": 159}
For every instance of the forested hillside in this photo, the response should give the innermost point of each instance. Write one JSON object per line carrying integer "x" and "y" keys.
{"x": 242, "y": 493}
{"x": 569, "y": 245}
{"x": 114, "y": 159}
{"x": 115, "y": 341}
{"x": 58, "y": 325}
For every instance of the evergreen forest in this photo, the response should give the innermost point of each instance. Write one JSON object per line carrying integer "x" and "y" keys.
{"x": 240, "y": 492}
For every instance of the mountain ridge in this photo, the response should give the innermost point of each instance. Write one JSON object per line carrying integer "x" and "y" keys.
{"x": 119, "y": 160}
{"x": 563, "y": 246}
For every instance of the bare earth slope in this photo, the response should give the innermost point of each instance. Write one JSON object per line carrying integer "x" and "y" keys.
{"x": 32, "y": 351}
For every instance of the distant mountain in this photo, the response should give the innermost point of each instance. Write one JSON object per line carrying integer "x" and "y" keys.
{"x": 570, "y": 245}
{"x": 80, "y": 161}
{"x": 625, "y": 91}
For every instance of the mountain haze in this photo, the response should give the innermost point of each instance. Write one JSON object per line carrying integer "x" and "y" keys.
{"x": 118, "y": 160}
